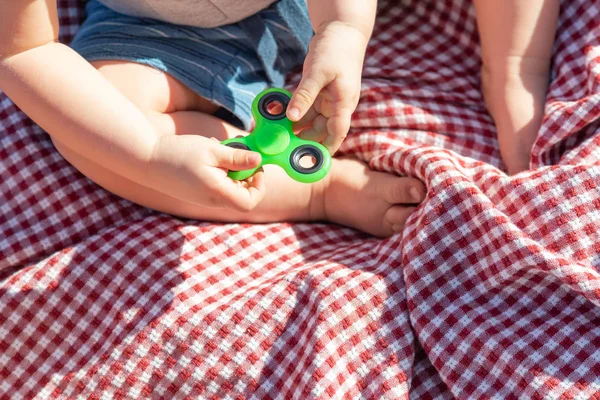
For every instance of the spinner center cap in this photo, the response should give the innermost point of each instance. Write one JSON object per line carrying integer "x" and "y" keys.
{"x": 273, "y": 139}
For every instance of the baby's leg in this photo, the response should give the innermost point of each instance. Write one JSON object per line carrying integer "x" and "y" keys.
{"x": 516, "y": 44}
{"x": 351, "y": 195}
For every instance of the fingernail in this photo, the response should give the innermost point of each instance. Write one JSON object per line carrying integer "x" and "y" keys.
{"x": 253, "y": 158}
{"x": 415, "y": 194}
{"x": 294, "y": 113}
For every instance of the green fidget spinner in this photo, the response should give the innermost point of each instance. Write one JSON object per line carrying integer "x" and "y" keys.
{"x": 274, "y": 139}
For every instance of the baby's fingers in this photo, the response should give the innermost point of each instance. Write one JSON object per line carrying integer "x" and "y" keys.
{"x": 307, "y": 120}
{"x": 337, "y": 128}
{"x": 305, "y": 95}
{"x": 243, "y": 197}
{"x": 235, "y": 159}
{"x": 317, "y": 132}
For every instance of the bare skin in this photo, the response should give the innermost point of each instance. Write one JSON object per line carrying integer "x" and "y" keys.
{"x": 379, "y": 200}
{"x": 516, "y": 44}
{"x": 144, "y": 136}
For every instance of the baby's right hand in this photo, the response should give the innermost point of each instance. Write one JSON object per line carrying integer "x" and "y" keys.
{"x": 194, "y": 168}
{"x": 329, "y": 90}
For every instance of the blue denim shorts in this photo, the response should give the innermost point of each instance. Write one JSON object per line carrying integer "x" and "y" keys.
{"x": 228, "y": 65}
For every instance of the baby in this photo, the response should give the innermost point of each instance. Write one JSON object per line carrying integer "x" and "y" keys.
{"x": 141, "y": 100}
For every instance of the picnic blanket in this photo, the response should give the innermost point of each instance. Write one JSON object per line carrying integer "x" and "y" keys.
{"x": 493, "y": 290}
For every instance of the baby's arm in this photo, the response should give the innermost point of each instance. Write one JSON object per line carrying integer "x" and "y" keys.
{"x": 64, "y": 94}
{"x": 357, "y": 14}
{"x": 79, "y": 108}
{"x": 330, "y": 87}
{"x": 516, "y": 37}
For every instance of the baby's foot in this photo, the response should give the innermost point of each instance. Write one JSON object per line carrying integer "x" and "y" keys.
{"x": 374, "y": 202}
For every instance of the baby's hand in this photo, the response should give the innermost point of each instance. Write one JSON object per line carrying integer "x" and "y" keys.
{"x": 330, "y": 87}
{"x": 194, "y": 168}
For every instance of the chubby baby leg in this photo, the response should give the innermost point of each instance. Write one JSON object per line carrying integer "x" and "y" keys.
{"x": 351, "y": 195}
{"x": 516, "y": 45}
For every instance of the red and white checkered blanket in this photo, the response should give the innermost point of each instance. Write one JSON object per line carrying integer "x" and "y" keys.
{"x": 492, "y": 291}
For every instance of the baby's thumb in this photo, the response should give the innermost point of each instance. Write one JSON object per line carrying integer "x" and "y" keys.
{"x": 304, "y": 97}
{"x": 237, "y": 159}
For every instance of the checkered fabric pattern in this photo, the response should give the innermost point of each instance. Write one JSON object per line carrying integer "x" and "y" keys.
{"x": 493, "y": 290}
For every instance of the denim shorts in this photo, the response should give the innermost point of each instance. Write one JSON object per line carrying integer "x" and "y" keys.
{"x": 228, "y": 65}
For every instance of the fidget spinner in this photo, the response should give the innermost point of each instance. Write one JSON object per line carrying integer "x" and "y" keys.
{"x": 272, "y": 137}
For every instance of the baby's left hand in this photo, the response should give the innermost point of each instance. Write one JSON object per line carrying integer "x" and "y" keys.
{"x": 330, "y": 87}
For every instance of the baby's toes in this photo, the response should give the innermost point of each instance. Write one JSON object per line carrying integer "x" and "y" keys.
{"x": 403, "y": 190}
{"x": 396, "y": 217}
